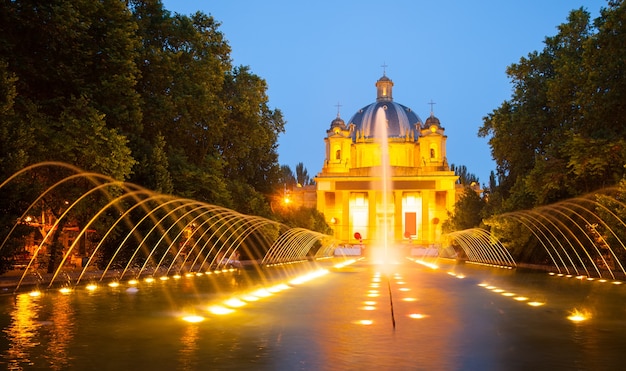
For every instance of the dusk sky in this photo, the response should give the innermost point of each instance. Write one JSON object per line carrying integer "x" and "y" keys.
{"x": 315, "y": 55}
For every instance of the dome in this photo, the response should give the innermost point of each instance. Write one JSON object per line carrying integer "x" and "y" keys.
{"x": 338, "y": 123}
{"x": 401, "y": 120}
{"x": 432, "y": 121}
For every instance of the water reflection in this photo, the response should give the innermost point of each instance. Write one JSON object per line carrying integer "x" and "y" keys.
{"x": 22, "y": 332}
{"x": 61, "y": 332}
{"x": 188, "y": 354}
{"x": 331, "y": 322}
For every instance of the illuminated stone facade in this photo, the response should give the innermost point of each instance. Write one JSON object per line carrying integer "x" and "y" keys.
{"x": 350, "y": 186}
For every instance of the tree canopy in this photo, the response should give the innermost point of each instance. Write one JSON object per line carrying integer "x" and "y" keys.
{"x": 562, "y": 133}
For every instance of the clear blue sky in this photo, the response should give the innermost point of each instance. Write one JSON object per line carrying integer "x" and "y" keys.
{"x": 316, "y": 54}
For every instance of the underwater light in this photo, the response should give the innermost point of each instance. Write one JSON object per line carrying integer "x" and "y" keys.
{"x": 91, "y": 287}
{"x": 365, "y": 322}
{"x": 34, "y": 293}
{"x": 417, "y": 315}
{"x": 262, "y": 293}
{"x": 220, "y": 310}
{"x": 193, "y": 319}
{"x": 133, "y": 282}
{"x": 114, "y": 284}
{"x": 578, "y": 316}
{"x": 65, "y": 290}
{"x": 149, "y": 279}
{"x": 235, "y": 303}
{"x": 535, "y": 303}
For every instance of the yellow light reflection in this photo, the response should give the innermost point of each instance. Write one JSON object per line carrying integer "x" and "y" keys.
{"x": 176, "y": 276}
{"x": 368, "y": 307}
{"x": 164, "y": 278}
{"x": 262, "y": 293}
{"x": 404, "y": 289}
{"x": 133, "y": 282}
{"x": 508, "y": 294}
{"x": 149, "y": 279}
{"x": 417, "y": 315}
{"x": 65, "y": 290}
{"x": 578, "y": 316}
{"x": 409, "y": 299}
{"x": 114, "y": 284}
{"x": 235, "y": 303}
{"x": 373, "y": 295}
{"x": 520, "y": 298}
{"x": 91, "y": 287}
{"x": 535, "y": 303}
{"x": 34, "y": 293}
{"x": 193, "y": 318}
{"x": 365, "y": 322}
{"x": 250, "y": 298}
{"x": 370, "y": 302}
{"x": 220, "y": 310}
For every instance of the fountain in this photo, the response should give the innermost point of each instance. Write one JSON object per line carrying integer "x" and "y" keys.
{"x": 143, "y": 233}
{"x": 157, "y": 290}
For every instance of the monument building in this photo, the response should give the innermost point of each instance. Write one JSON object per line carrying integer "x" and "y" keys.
{"x": 365, "y": 200}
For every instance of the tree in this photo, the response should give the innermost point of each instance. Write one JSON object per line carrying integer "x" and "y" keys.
{"x": 465, "y": 177}
{"x": 551, "y": 141}
{"x": 467, "y": 211}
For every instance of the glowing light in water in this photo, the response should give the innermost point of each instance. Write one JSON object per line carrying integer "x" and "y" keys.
{"x": 369, "y": 307}
{"x": 65, "y": 290}
{"x": 220, "y": 310}
{"x": 114, "y": 284}
{"x": 417, "y": 315}
{"x": 193, "y": 318}
{"x": 308, "y": 277}
{"x": 34, "y": 293}
{"x": 164, "y": 278}
{"x": 427, "y": 264}
{"x": 578, "y": 316}
{"x": 365, "y": 322}
{"x": 235, "y": 303}
{"x": 536, "y": 303}
{"x": 409, "y": 299}
{"x": 520, "y": 298}
{"x": 149, "y": 279}
{"x": 133, "y": 282}
{"x": 91, "y": 287}
{"x": 261, "y": 293}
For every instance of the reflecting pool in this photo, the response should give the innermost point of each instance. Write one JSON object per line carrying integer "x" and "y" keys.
{"x": 315, "y": 316}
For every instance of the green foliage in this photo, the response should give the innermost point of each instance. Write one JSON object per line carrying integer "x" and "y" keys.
{"x": 561, "y": 133}
{"x": 467, "y": 212}
{"x": 465, "y": 177}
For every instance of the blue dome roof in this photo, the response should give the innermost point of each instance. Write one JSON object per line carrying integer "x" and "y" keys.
{"x": 400, "y": 120}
